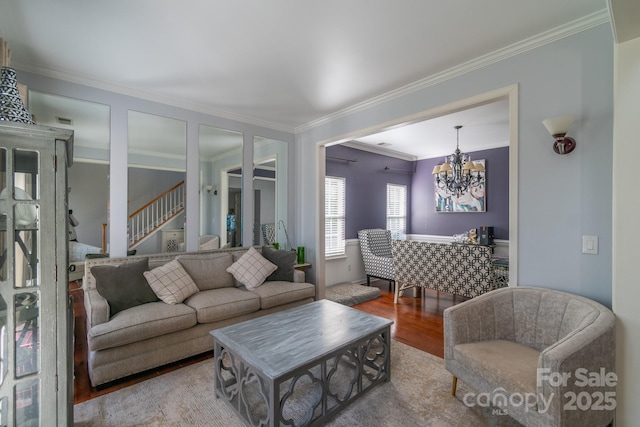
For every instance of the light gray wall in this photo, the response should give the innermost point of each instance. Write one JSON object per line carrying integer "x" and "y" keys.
{"x": 88, "y": 185}
{"x": 267, "y": 193}
{"x": 626, "y": 292}
{"x": 283, "y": 183}
{"x": 561, "y": 198}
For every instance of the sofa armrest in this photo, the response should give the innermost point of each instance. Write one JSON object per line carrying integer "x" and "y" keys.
{"x": 588, "y": 352}
{"x": 96, "y": 307}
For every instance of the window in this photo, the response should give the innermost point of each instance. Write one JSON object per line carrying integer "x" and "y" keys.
{"x": 334, "y": 201}
{"x": 397, "y": 210}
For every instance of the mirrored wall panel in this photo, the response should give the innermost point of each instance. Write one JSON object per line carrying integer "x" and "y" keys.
{"x": 88, "y": 178}
{"x": 157, "y": 163}
{"x": 220, "y": 188}
{"x": 270, "y": 186}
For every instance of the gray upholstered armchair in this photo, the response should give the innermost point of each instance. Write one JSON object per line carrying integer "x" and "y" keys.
{"x": 545, "y": 357}
{"x": 375, "y": 245}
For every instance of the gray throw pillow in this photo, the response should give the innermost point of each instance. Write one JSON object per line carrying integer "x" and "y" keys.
{"x": 124, "y": 286}
{"x": 285, "y": 260}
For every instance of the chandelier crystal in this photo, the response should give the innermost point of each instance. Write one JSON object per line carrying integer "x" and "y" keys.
{"x": 458, "y": 172}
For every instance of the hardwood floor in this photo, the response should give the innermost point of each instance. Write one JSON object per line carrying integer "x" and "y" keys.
{"x": 417, "y": 322}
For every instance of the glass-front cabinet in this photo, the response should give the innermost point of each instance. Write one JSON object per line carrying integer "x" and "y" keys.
{"x": 36, "y": 354}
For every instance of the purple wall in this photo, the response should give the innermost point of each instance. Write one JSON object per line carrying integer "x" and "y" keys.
{"x": 425, "y": 220}
{"x": 366, "y": 192}
{"x": 366, "y": 186}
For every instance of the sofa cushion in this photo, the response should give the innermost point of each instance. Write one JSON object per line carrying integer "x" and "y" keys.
{"x": 223, "y": 303}
{"x": 171, "y": 283}
{"x": 501, "y": 362}
{"x": 284, "y": 260}
{"x": 139, "y": 323}
{"x": 208, "y": 271}
{"x": 251, "y": 269}
{"x": 273, "y": 294}
{"x": 124, "y": 285}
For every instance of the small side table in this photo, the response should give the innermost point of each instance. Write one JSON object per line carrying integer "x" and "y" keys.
{"x": 302, "y": 267}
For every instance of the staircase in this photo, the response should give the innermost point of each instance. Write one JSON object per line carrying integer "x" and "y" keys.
{"x": 151, "y": 217}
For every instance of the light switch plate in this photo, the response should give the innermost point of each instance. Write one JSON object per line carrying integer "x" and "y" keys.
{"x": 590, "y": 245}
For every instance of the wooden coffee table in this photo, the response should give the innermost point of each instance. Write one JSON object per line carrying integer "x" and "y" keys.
{"x": 300, "y": 366}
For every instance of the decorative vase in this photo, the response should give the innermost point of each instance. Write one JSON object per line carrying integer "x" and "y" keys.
{"x": 300, "y": 255}
{"x": 11, "y": 107}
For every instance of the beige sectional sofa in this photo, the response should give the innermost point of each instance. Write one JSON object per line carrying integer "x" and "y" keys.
{"x": 127, "y": 337}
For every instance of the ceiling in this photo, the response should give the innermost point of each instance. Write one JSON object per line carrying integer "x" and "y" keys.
{"x": 483, "y": 128}
{"x": 284, "y": 64}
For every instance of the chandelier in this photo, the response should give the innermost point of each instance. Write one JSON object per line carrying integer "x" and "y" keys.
{"x": 458, "y": 172}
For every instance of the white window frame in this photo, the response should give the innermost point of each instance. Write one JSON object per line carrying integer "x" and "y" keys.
{"x": 334, "y": 216}
{"x": 397, "y": 210}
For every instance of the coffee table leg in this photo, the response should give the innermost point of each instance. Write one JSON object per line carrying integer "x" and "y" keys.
{"x": 386, "y": 335}
{"x": 217, "y": 384}
{"x": 274, "y": 403}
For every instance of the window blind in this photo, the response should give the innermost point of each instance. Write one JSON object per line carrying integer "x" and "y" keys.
{"x": 334, "y": 211}
{"x": 397, "y": 210}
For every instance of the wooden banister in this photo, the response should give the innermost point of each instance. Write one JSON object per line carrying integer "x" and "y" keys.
{"x": 151, "y": 217}
{"x": 175, "y": 187}
{"x": 104, "y": 238}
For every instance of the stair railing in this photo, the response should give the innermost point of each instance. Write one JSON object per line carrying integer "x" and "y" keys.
{"x": 152, "y": 216}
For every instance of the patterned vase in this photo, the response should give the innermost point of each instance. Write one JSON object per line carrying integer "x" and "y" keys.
{"x": 11, "y": 107}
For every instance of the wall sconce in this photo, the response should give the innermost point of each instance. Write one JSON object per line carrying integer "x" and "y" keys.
{"x": 558, "y": 128}
{"x": 209, "y": 189}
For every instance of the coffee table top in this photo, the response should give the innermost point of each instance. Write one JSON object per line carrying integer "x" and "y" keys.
{"x": 280, "y": 342}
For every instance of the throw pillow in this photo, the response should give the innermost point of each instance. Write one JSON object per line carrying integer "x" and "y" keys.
{"x": 171, "y": 283}
{"x": 208, "y": 271}
{"x": 123, "y": 286}
{"x": 251, "y": 269}
{"x": 284, "y": 260}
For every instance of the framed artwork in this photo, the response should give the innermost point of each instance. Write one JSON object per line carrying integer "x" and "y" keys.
{"x": 474, "y": 200}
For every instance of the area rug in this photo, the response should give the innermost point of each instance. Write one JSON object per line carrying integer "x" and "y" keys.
{"x": 351, "y": 293}
{"x": 419, "y": 394}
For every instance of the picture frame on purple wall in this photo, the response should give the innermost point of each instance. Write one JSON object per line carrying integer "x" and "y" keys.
{"x": 473, "y": 200}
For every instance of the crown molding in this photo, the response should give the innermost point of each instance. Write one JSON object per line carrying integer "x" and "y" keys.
{"x": 489, "y": 146}
{"x": 357, "y": 145}
{"x": 123, "y": 90}
{"x": 563, "y": 31}
{"x": 377, "y": 150}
